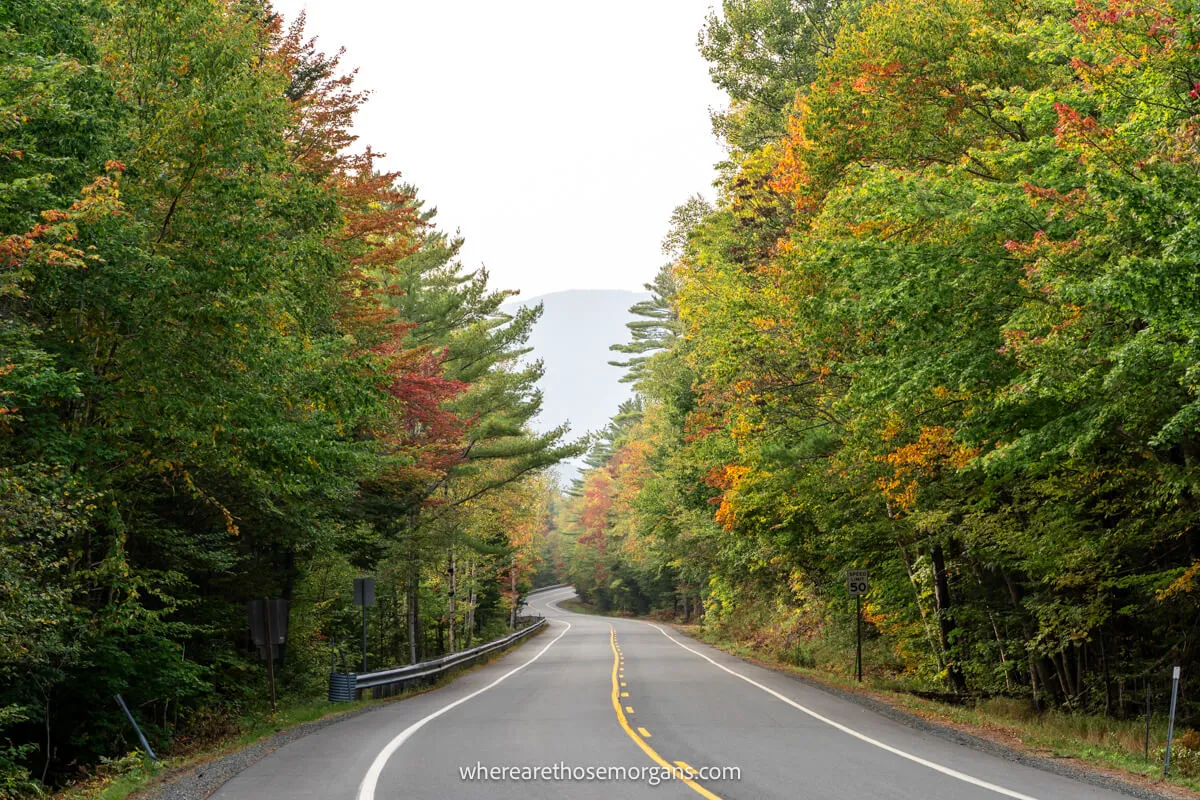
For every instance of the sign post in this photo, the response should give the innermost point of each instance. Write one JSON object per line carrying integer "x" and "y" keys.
{"x": 857, "y": 584}
{"x": 364, "y": 595}
{"x": 268, "y": 630}
{"x": 1147, "y": 720}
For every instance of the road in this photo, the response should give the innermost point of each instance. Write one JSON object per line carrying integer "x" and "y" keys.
{"x": 593, "y": 692}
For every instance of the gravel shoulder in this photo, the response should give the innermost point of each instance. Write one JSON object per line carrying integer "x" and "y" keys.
{"x": 198, "y": 781}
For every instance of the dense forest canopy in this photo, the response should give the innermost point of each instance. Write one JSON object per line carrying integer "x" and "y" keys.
{"x": 237, "y": 360}
{"x": 942, "y": 324}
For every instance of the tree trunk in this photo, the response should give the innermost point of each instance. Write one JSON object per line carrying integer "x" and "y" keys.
{"x": 411, "y": 611}
{"x": 512, "y": 614}
{"x": 938, "y": 655}
{"x": 1033, "y": 684}
{"x": 396, "y": 649}
{"x": 412, "y": 592}
{"x": 1039, "y": 675}
{"x": 1108, "y": 689}
{"x": 453, "y": 589}
{"x": 49, "y": 745}
{"x": 941, "y": 595}
{"x": 469, "y": 632}
{"x": 1069, "y": 673}
{"x": 1003, "y": 655}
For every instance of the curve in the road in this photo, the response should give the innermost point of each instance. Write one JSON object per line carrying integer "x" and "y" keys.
{"x": 562, "y": 706}
{"x": 622, "y": 719}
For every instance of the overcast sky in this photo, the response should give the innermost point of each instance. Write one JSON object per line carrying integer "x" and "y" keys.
{"x": 557, "y": 135}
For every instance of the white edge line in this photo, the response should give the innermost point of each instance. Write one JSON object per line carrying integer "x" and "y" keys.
{"x": 850, "y": 731}
{"x": 555, "y": 603}
{"x": 366, "y": 789}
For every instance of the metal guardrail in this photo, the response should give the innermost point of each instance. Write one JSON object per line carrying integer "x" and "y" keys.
{"x": 548, "y": 588}
{"x": 344, "y": 687}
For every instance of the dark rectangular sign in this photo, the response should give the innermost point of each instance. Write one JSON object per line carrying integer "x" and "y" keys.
{"x": 364, "y": 591}
{"x": 268, "y": 615}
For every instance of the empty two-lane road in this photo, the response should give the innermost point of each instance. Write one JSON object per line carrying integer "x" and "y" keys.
{"x": 597, "y": 707}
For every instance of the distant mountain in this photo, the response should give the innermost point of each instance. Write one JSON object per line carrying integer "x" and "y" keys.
{"x": 572, "y": 338}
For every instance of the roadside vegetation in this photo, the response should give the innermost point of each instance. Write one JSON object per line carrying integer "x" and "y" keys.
{"x": 238, "y": 360}
{"x": 1089, "y": 741}
{"x": 136, "y": 775}
{"x": 941, "y": 323}
{"x": 116, "y": 779}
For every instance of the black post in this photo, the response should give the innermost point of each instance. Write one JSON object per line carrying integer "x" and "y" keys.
{"x": 364, "y": 595}
{"x": 364, "y": 637}
{"x": 1147, "y": 719}
{"x": 270, "y": 653}
{"x": 858, "y": 631}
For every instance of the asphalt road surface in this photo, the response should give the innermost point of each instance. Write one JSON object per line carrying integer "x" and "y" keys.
{"x": 592, "y": 696}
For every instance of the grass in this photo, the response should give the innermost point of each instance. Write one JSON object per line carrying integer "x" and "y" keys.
{"x": 258, "y": 728}
{"x": 126, "y": 784}
{"x": 1110, "y": 745}
{"x": 126, "y": 777}
{"x": 577, "y": 606}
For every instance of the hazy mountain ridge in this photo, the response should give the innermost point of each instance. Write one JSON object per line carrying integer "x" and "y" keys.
{"x": 573, "y": 338}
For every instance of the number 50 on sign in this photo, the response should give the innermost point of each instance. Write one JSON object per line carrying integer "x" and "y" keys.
{"x": 857, "y": 582}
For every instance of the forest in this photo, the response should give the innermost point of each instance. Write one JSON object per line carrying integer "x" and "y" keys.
{"x": 940, "y": 323}
{"x": 238, "y": 360}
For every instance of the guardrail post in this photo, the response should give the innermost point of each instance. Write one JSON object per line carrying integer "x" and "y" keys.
{"x": 141, "y": 736}
{"x": 346, "y": 686}
{"x": 1171, "y": 720}
{"x": 342, "y": 683}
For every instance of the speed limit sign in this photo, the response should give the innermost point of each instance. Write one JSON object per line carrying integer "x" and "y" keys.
{"x": 856, "y": 582}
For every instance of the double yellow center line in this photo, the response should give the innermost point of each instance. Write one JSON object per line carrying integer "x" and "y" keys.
{"x": 638, "y": 738}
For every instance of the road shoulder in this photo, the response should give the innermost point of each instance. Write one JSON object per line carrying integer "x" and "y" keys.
{"x": 199, "y": 779}
{"x": 992, "y": 742}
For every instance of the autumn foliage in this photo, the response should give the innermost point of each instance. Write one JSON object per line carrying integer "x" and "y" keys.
{"x": 940, "y": 324}
{"x": 238, "y": 359}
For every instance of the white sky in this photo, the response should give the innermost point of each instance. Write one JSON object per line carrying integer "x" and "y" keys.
{"x": 557, "y": 135}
